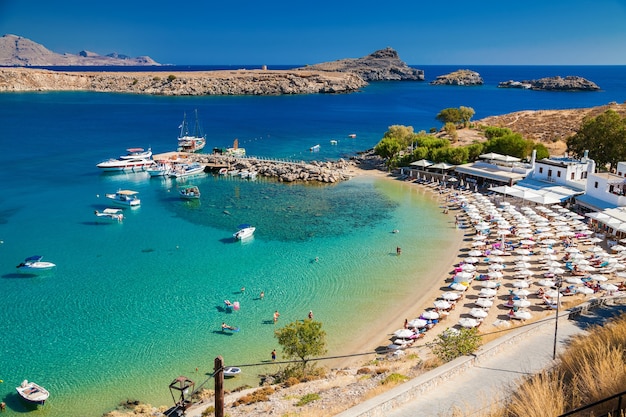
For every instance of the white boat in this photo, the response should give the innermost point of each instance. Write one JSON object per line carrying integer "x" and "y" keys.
{"x": 34, "y": 264}
{"x": 244, "y": 173}
{"x": 190, "y": 192}
{"x": 315, "y": 148}
{"x": 187, "y": 170}
{"x": 245, "y": 231}
{"x": 160, "y": 169}
{"x": 188, "y": 142}
{"x": 110, "y": 214}
{"x": 32, "y": 392}
{"x": 231, "y": 371}
{"x": 252, "y": 175}
{"x": 131, "y": 164}
{"x": 133, "y": 153}
{"x": 223, "y": 171}
{"x": 125, "y": 197}
{"x": 352, "y": 135}
{"x": 333, "y": 142}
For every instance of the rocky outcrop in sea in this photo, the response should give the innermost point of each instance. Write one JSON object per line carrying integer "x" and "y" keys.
{"x": 569, "y": 83}
{"x": 382, "y": 65}
{"x": 240, "y": 82}
{"x": 459, "y": 77}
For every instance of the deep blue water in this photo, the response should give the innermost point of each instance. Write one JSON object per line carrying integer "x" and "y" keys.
{"x": 132, "y": 306}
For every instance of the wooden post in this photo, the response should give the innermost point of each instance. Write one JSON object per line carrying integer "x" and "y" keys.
{"x": 219, "y": 386}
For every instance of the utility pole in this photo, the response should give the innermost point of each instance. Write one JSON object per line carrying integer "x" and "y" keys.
{"x": 219, "y": 386}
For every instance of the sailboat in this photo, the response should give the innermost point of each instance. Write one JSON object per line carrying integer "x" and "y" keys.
{"x": 188, "y": 142}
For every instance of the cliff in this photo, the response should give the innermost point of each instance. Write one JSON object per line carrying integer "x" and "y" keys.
{"x": 241, "y": 82}
{"x": 459, "y": 77}
{"x": 569, "y": 83}
{"x": 382, "y": 65}
{"x": 16, "y": 51}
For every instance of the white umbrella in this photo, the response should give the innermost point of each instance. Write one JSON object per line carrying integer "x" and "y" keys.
{"x": 523, "y": 265}
{"x": 403, "y": 333}
{"x": 463, "y": 276}
{"x": 468, "y": 267}
{"x": 572, "y": 249}
{"x": 496, "y": 259}
{"x": 484, "y": 302}
{"x": 442, "y": 304}
{"x": 520, "y": 284}
{"x": 430, "y": 315}
{"x": 478, "y": 243}
{"x": 522, "y": 252}
{"x": 521, "y": 303}
{"x": 598, "y": 240}
{"x": 487, "y": 292}
{"x": 549, "y": 241}
{"x": 495, "y": 275}
{"x": 472, "y": 260}
{"x": 556, "y": 271}
{"x": 598, "y": 277}
{"x": 618, "y": 248}
{"x": 574, "y": 280}
{"x": 496, "y": 267}
{"x": 475, "y": 252}
{"x": 457, "y": 286}
{"x": 526, "y": 272}
{"x": 546, "y": 283}
{"x": 450, "y": 296}
{"x": 584, "y": 290}
{"x": 609, "y": 287}
{"x": 479, "y": 313}
{"x": 522, "y": 292}
{"x": 522, "y": 315}
{"x": 479, "y": 237}
{"x": 523, "y": 258}
{"x": 418, "y": 323}
{"x": 489, "y": 284}
{"x": 528, "y": 242}
{"x": 468, "y": 322}
{"x": 497, "y": 252}
{"x": 595, "y": 249}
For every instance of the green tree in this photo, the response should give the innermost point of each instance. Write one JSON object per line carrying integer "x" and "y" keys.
{"x": 451, "y": 345}
{"x": 302, "y": 340}
{"x": 449, "y": 115}
{"x": 542, "y": 151}
{"x": 388, "y": 148}
{"x": 450, "y": 129}
{"x": 513, "y": 144}
{"x": 474, "y": 151}
{"x": 404, "y": 135}
{"x": 496, "y": 132}
{"x": 466, "y": 114}
{"x": 603, "y": 136}
{"x": 457, "y": 156}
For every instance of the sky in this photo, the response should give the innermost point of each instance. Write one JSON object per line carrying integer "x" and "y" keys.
{"x": 245, "y": 32}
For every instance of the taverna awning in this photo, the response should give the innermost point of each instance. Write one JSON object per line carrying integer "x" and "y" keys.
{"x": 422, "y": 163}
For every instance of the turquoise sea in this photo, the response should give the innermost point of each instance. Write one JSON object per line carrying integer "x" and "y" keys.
{"x": 132, "y": 306}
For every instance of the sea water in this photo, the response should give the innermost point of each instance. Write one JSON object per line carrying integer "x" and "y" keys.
{"x": 131, "y": 306}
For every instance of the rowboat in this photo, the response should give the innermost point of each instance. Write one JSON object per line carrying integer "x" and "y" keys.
{"x": 33, "y": 393}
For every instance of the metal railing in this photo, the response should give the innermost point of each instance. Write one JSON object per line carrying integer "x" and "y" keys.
{"x": 603, "y": 411}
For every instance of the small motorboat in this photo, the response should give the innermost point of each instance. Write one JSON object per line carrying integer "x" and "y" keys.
{"x": 33, "y": 393}
{"x": 315, "y": 148}
{"x": 245, "y": 231}
{"x": 125, "y": 197}
{"x": 34, "y": 264}
{"x": 231, "y": 371}
{"x": 190, "y": 192}
{"x": 223, "y": 171}
{"x": 110, "y": 214}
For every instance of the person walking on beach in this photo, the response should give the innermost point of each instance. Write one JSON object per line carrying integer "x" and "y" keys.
{"x": 276, "y": 316}
{"x": 274, "y": 355}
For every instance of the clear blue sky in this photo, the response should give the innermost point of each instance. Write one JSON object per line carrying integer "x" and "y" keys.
{"x": 498, "y": 32}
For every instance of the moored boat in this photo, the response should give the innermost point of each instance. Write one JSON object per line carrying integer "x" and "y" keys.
{"x": 190, "y": 192}
{"x": 110, "y": 214}
{"x": 34, "y": 264}
{"x": 32, "y": 392}
{"x": 223, "y": 171}
{"x": 133, "y": 153}
{"x": 130, "y": 164}
{"x": 245, "y": 231}
{"x": 160, "y": 169}
{"x": 187, "y": 170}
{"x": 315, "y": 148}
{"x": 188, "y": 142}
{"x": 231, "y": 371}
{"x": 125, "y": 197}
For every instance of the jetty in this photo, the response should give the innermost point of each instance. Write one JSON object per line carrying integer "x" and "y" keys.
{"x": 283, "y": 170}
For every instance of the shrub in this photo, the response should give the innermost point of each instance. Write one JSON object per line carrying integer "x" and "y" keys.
{"x": 394, "y": 379}
{"x": 307, "y": 399}
{"x": 260, "y": 395}
{"x": 171, "y": 77}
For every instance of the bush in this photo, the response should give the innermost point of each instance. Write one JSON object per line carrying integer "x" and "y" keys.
{"x": 449, "y": 346}
{"x": 260, "y": 395}
{"x": 171, "y": 77}
{"x": 307, "y": 399}
{"x": 394, "y": 379}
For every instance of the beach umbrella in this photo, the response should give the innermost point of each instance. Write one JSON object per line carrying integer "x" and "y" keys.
{"x": 496, "y": 259}
{"x": 479, "y": 237}
{"x": 584, "y": 290}
{"x": 549, "y": 241}
{"x": 479, "y": 313}
{"x": 472, "y": 260}
{"x": 572, "y": 249}
{"x": 478, "y": 243}
{"x": 430, "y": 315}
{"x": 404, "y": 333}
{"x": 418, "y": 323}
{"x": 442, "y": 304}
{"x": 450, "y": 296}
{"x": 468, "y": 267}
{"x": 528, "y": 242}
{"x": 522, "y": 292}
{"x": 394, "y": 346}
{"x": 523, "y": 258}
{"x": 522, "y": 265}
{"x": 609, "y": 287}
{"x": 468, "y": 322}
{"x": 521, "y": 303}
{"x": 463, "y": 276}
{"x": 526, "y": 272}
{"x": 487, "y": 292}
{"x": 495, "y": 275}
{"x": 497, "y": 252}
{"x": 521, "y": 284}
{"x": 556, "y": 271}
{"x": 598, "y": 277}
{"x": 457, "y": 286}
{"x": 593, "y": 249}
{"x": 475, "y": 252}
{"x": 546, "y": 283}
{"x": 522, "y": 315}
{"x": 587, "y": 268}
{"x": 496, "y": 267}
{"x": 484, "y": 302}
{"x": 618, "y": 248}
{"x": 574, "y": 280}
{"x": 522, "y": 252}
{"x": 489, "y": 284}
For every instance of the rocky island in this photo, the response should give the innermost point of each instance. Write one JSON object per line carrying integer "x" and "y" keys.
{"x": 459, "y": 77}
{"x": 382, "y": 65}
{"x": 569, "y": 83}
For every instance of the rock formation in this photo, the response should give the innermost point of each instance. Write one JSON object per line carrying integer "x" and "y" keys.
{"x": 192, "y": 83}
{"x": 569, "y": 83}
{"x": 382, "y": 65}
{"x": 16, "y": 51}
{"x": 459, "y": 77}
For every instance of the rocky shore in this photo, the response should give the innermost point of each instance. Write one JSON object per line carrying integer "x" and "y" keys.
{"x": 240, "y": 82}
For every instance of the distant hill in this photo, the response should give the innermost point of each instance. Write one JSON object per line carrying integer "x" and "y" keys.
{"x": 16, "y": 51}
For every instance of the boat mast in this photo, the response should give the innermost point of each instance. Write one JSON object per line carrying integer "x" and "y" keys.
{"x": 184, "y": 131}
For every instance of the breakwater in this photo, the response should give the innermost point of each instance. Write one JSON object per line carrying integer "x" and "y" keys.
{"x": 328, "y": 172}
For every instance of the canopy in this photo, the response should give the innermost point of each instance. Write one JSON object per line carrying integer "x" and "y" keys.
{"x": 423, "y": 163}
{"x": 498, "y": 157}
{"x": 442, "y": 165}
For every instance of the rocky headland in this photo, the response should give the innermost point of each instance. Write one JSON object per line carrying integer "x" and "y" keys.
{"x": 16, "y": 51}
{"x": 463, "y": 77}
{"x": 569, "y": 83}
{"x": 382, "y": 65}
